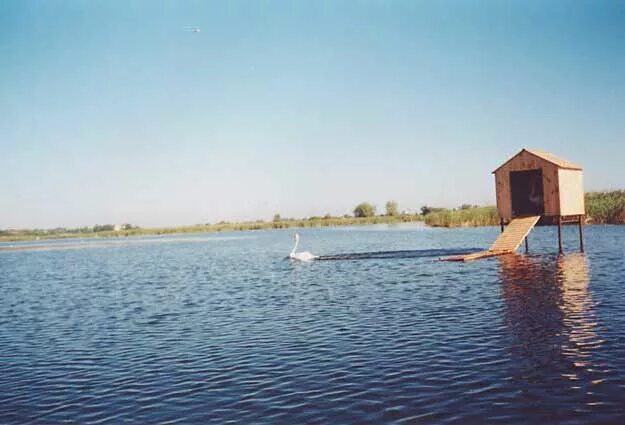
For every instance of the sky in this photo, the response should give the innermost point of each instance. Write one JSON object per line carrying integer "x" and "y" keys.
{"x": 114, "y": 111}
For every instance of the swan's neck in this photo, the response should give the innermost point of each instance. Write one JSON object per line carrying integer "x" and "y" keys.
{"x": 294, "y": 247}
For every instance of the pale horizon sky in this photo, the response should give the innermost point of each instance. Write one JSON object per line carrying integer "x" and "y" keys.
{"x": 114, "y": 112}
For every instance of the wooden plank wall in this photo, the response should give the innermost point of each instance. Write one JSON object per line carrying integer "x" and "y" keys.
{"x": 571, "y": 192}
{"x": 522, "y": 162}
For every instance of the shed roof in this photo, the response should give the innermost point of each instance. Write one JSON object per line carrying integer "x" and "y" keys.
{"x": 549, "y": 157}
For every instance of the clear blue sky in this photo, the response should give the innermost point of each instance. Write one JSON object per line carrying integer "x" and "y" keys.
{"x": 110, "y": 111}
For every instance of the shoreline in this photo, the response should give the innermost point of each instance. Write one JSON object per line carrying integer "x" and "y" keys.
{"x": 215, "y": 228}
{"x": 184, "y": 230}
{"x": 605, "y": 207}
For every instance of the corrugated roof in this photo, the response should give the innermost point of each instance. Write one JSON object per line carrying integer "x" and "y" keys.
{"x": 549, "y": 157}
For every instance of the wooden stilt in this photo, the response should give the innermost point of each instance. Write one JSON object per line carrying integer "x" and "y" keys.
{"x": 580, "y": 223}
{"x": 527, "y": 249}
{"x": 501, "y": 223}
{"x": 560, "y": 234}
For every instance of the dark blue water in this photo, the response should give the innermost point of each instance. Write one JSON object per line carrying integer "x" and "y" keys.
{"x": 208, "y": 329}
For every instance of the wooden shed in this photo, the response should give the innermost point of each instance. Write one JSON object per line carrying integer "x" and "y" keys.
{"x": 533, "y": 182}
{"x": 538, "y": 184}
{"x": 534, "y": 187}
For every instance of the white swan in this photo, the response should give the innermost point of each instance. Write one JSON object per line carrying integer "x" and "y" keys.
{"x": 300, "y": 256}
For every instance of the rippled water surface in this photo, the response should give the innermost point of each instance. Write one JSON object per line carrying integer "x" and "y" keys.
{"x": 222, "y": 329}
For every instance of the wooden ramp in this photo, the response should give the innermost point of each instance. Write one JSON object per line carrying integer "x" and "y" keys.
{"x": 507, "y": 242}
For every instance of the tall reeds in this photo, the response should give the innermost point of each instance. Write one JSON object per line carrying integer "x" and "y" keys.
{"x": 606, "y": 207}
{"x": 464, "y": 217}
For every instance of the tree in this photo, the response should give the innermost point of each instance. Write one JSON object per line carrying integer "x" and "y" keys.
{"x": 391, "y": 208}
{"x": 364, "y": 209}
{"x": 276, "y": 218}
{"x": 425, "y": 210}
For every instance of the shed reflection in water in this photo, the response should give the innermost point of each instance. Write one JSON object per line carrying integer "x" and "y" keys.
{"x": 578, "y": 308}
{"x": 550, "y": 314}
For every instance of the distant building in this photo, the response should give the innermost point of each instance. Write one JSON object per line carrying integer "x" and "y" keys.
{"x": 117, "y": 228}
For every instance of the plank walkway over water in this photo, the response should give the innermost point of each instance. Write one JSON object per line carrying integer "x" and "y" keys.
{"x": 507, "y": 242}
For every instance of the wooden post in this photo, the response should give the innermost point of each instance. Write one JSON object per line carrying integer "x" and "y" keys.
{"x": 560, "y": 234}
{"x": 580, "y": 224}
{"x": 501, "y": 223}
{"x": 526, "y": 246}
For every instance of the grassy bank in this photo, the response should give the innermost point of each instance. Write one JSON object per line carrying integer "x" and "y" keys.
{"x": 25, "y": 235}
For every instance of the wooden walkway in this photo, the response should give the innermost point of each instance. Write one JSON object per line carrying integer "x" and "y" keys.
{"x": 506, "y": 243}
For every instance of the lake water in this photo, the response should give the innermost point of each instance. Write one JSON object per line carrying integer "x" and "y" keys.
{"x": 222, "y": 329}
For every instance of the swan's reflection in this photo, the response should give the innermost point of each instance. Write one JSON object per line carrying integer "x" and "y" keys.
{"x": 550, "y": 314}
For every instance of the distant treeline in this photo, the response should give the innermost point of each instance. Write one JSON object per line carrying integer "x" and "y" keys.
{"x": 601, "y": 208}
{"x": 223, "y": 226}
{"x": 64, "y": 232}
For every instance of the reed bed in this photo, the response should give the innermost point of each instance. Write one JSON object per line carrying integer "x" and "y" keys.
{"x": 466, "y": 217}
{"x": 607, "y": 207}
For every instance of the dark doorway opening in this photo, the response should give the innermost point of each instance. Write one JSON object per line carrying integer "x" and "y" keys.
{"x": 526, "y": 190}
